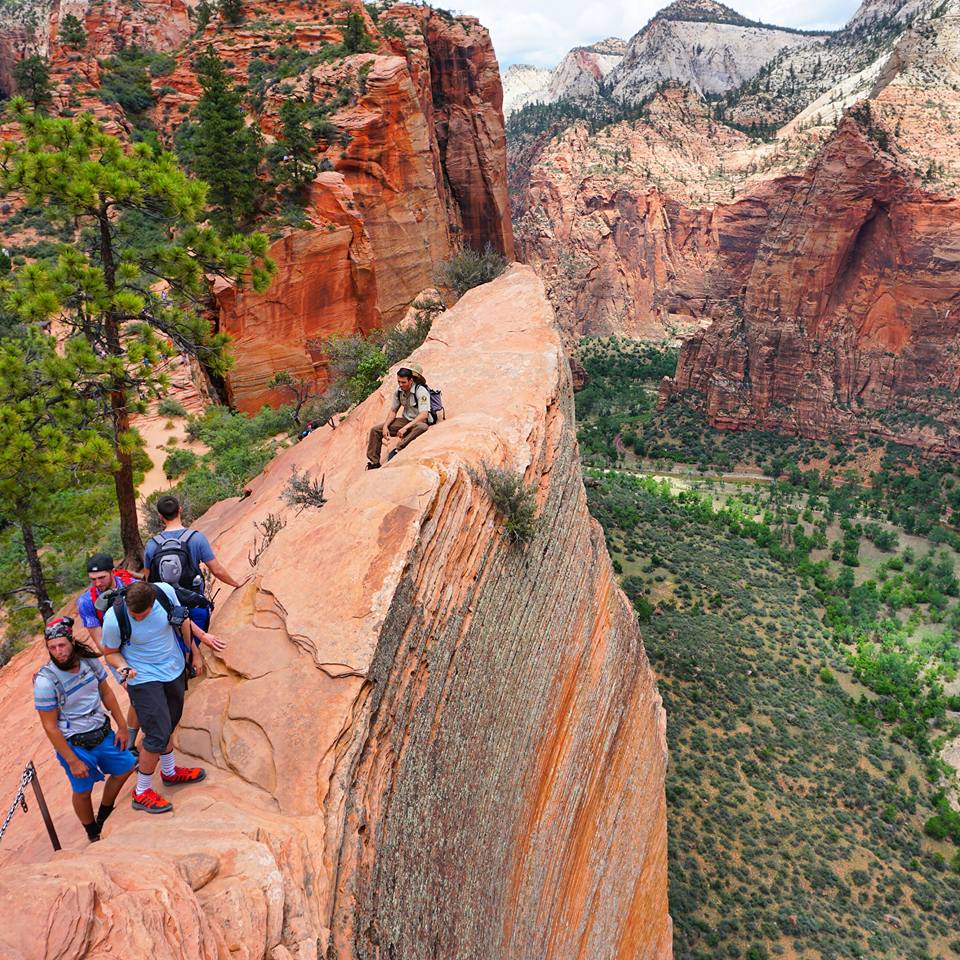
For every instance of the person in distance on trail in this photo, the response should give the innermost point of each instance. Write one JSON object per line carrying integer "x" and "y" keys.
{"x": 409, "y": 416}
{"x": 174, "y": 556}
{"x": 71, "y": 693}
{"x": 103, "y": 577}
{"x": 147, "y": 635}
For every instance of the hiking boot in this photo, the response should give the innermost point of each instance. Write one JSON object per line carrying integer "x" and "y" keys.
{"x": 392, "y": 454}
{"x": 151, "y": 802}
{"x": 184, "y": 775}
{"x": 372, "y": 466}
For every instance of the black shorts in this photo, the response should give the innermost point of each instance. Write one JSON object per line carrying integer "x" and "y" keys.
{"x": 159, "y": 707}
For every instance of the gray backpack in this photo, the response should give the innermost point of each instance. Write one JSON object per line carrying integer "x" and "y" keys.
{"x": 172, "y": 562}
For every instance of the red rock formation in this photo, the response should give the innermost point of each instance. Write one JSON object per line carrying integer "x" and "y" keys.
{"x": 421, "y": 741}
{"x": 419, "y": 179}
{"x": 645, "y": 229}
{"x": 421, "y": 156}
{"x": 851, "y": 316}
{"x": 468, "y": 108}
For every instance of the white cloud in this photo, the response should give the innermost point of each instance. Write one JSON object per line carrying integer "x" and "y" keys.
{"x": 540, "y": 32}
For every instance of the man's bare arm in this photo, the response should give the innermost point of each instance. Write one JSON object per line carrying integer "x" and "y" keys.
{"x": 221, "y": 573}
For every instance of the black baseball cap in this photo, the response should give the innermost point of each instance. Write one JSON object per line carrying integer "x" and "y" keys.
{"x": 99, "y": 563}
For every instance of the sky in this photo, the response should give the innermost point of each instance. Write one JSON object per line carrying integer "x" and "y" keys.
{"x": 541, "y": 32}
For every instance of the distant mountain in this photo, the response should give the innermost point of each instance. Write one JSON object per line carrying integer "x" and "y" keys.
{"x": 700, "y": 43}
{"x": 523, "y": 84}
{"x": 580, "y": 74}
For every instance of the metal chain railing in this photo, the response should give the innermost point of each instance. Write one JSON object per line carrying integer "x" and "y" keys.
{"x": 30, "y": 778}
{"x": 19, "y": 799}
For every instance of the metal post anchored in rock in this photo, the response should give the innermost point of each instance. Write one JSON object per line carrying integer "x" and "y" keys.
{"x": 30, "y": 776}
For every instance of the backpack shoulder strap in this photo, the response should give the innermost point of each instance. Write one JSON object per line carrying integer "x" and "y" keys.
{"x": 185, "y": 540}
{"x": 48, "y": 672}
{"x": 123, "y": 620}
{"x": 164, "y": 601}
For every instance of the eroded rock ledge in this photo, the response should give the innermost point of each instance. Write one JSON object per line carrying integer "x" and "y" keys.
{"x": 422, "y": 742}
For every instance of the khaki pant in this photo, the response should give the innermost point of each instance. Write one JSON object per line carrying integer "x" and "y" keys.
{"x": 374, "y": 445}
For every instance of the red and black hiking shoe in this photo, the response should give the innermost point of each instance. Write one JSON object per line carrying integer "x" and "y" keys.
{"x": 184, "y": 775}
{"x": 151, "y": 802}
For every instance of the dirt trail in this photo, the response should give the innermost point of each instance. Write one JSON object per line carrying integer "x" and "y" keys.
{"x": 160, "y": 431}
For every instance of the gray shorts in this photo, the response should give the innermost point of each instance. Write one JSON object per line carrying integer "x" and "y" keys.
{"x": 159, "y": 706}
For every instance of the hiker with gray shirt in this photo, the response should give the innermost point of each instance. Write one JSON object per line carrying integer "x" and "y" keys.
{"x": 73, "y": 695}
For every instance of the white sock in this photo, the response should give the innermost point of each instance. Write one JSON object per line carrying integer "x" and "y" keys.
{"x": 167, "y": 767}
{"x": 144, "y": 781}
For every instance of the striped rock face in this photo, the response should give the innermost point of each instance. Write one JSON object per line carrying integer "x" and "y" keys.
{"x": 422, "y": 741}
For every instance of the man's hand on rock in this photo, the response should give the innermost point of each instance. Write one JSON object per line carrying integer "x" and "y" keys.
{"x": 213, "y": 642}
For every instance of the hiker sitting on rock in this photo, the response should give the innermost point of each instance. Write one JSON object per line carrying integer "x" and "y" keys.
{"x": 70, "y": 694}
{"x": 146, "y": 634}
{"x": 409, "y": 416}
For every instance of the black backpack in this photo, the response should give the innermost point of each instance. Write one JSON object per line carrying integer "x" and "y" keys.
{"x": 172, "y": 563}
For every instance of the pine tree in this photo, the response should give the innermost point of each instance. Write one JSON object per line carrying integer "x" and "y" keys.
{"x": 32, "y": 77}
{"x": 202, "y": 13}
{"x": 293, "y": 152}
{"x": 51, "y": 449}
{"x": 71, "y": 32}
{"x": 231, "y": 10}
{"x": 223, "y": 150}
{"x": 355, "y": 37}
{"x": 105, "y": 287}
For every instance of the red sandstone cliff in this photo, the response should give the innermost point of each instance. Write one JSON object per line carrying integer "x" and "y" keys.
{"x": 421, "y": 741}
{"x": 645, "y": 229}
{"x": 851, "y": 313}
{"x": 418, "y": 167}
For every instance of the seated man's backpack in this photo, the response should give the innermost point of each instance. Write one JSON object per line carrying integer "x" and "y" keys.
{"x": 436, "y": 400}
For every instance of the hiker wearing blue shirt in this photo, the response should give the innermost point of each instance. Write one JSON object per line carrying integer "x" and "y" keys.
{"x": 72, "y": 696}
{"x": 174, "y": 556}
{"x": 146, "y": 634}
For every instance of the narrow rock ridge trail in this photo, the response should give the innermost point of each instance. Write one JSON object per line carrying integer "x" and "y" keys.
{"x": 422, "y": 741}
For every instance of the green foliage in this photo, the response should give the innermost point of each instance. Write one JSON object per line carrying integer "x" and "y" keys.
{"x": 515, "y": 501}
{"x": 390, "y": 28}
{"x": 231, "y": 11}
{"x": 221, "y": 149}
{"x": 32, "y": 79}
{"x": 178, "y": 462}
{"x": 202, "y": 13}
{"x": 793, "y": 827}
{"x": 291, "y": 157}
{"x": 125, "y": 80}
{"x": 355, "y": 36}
{"x": 71, "y": 32}
{"x": 103, "y": 287}
{"x": 169, "y": 407}
{"x": 52, "y": 452}
{"x": 469, "y": 269}
{"x": 238, "y": 445}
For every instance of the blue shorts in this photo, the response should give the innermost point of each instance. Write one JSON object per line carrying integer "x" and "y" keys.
{"x": 201, "y": 617}
{"x": 105, "y": 758}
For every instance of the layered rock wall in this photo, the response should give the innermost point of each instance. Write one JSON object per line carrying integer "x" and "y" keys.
{"x": 851, "y": 315}
{"x": 421, "y": 741}
{"x": 410, "y": 162}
